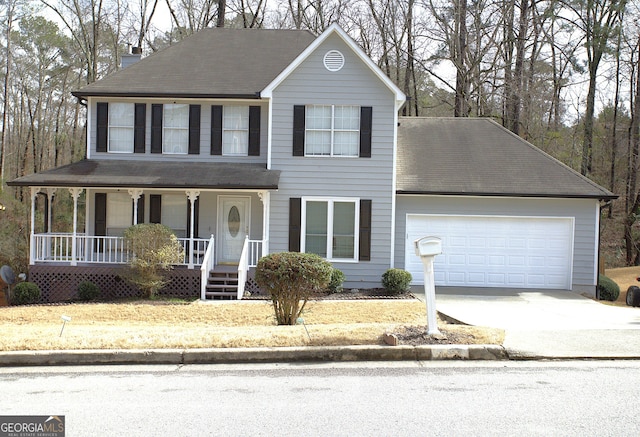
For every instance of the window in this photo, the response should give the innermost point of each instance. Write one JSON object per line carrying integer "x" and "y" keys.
{"x": 119, "y": 213}
{"x": 235, "y": 130}
{"x": 330, "y": 228}
{"x": 121, "y": 127}
{"x": 174, "y": 214}
{"x": 332, "y": 130}
{"x": 175, "y": 129}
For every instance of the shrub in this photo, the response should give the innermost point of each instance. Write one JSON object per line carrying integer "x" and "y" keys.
{"x": 25, "y": 293}
{"x": 155, "y": 249}
{"x": 607, "y": 288}
{"x": 335, "y": 283}
{"x": 291, "y": 278}
{"x": 396, "y": 281}
{"x": 87, "y": 291}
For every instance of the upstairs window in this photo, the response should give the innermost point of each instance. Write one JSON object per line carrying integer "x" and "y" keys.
{"x": 121, "y": 127}
{"x": 235, "y": 130}
{"x": 332, "y": 130}
{"x": 175, "y": 129}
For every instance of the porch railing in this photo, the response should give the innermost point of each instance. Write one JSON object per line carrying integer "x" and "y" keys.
{"x": 243, "y": 267}
{"x": 58, "y": 247}
{"x": 208, "y": 262}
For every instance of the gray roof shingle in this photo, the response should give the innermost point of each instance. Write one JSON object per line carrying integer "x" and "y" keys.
{"x": 216, "y": 62}
{"x": 475, "y": 156}
{"x": 154, "y": 174}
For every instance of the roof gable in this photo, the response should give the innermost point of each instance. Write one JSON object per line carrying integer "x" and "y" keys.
{"x": 475, "y": 156}
{"x": 334, "y": 29}
{"x": 217, "y": 62}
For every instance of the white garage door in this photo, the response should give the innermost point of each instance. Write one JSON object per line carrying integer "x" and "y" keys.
{"x": 495, "y": 251}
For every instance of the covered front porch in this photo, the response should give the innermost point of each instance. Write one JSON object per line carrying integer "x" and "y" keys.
{"x": 223, "y": 231}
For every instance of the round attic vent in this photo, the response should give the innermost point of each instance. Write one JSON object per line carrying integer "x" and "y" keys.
{"x": 333, "y": 60}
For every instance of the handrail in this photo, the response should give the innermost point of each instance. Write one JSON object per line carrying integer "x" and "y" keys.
{"x": 243, "y": 267}
{"x": 208, "y": 262}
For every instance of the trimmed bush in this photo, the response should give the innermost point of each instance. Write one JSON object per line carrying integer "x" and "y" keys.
{"x": 291, "y": 278}
{"x": 607, "y": 289}
{"x": 155, "y": 249}
{"x": 396, "y": 281}
{"x": 335, "y": 283}
{"x": 25, "y": 293}
{"x": 87, "y": 291}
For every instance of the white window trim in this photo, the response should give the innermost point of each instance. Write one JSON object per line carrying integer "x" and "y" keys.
{"x": 356, "y": 230}
{"x": 235, "y": 130}
{"x": 332, "y": 131}
{"x": 132, "y": 127}
{"x": 164, "y": 129}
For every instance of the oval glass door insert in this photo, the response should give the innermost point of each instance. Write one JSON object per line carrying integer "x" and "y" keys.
{"x": 233, "y": 221}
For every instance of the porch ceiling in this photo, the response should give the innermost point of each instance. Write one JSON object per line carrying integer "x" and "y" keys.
{"x": 154, "y": 174}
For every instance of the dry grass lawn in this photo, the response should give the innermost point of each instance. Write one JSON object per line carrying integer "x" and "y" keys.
{"x": 625, "y": 277}
{"x": 149, "y": 324}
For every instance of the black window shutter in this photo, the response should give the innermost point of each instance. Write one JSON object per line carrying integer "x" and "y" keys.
{"x": 196, "y": 213}
{"x": 46, "y": 213}
{"x": 295, "y": 223}
{"x": 100, "y": 217}
{"x": 156, "y": 128}
{"x": 102, "y": 126}
{"x": 365, "y": 230}
{"x": 365, "y": 131}
{"x": 298, "y": 130}
{"x": 139, "y": 129}
{"x": 155, "y": 208}
{"x": 194, "y": 129}
{"x": 254, "y": 131}
{"x": 216, "y": 130}
{"x": 140, "y": 210}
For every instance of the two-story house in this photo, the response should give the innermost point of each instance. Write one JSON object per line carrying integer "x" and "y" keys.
{"x": 252, "y": 141}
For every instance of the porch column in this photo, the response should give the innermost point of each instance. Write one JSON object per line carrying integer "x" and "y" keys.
{"x": 265, "y": 198}
{"x": 32, "y": 237}
{"x": 50, "y": 193}
{"x": 75, "y": 193}
{"x": 192, "y": 195}
{"x": 135, "y": 194}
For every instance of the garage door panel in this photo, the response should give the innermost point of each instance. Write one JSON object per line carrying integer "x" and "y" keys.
{"x": 495, "y": 251}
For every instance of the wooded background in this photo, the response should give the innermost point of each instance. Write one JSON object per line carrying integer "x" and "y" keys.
{"x": 562, "y": 74}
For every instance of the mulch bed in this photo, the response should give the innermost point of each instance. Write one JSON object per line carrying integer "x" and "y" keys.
{"x": 347, "y": 294}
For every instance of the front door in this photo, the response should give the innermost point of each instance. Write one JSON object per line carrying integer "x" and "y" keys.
{"x": 233, "y": 227}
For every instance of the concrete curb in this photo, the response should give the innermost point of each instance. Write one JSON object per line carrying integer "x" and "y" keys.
{"x": 254, "y": 355}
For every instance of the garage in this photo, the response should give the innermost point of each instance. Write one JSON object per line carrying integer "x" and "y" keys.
{"x": 495, "y": 251}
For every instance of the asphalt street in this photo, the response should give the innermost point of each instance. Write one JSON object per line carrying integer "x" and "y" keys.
{"x": 577, "y": 398}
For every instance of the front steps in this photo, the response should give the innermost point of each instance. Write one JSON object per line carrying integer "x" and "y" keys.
{"x": 222, "y": 284}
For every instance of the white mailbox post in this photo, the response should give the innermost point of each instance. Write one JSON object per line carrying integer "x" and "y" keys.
{"x": 427, "y": 248}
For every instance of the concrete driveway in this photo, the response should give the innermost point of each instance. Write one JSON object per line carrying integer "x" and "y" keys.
{"x": 546, "y": 323}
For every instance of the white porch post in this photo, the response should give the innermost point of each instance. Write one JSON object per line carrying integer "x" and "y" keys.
{"x": 75, "y": 193}
{"x": 32, "y": 238}
{"x": 265, "y": 198}
{"x": 50, "y": 193}
{"x": 192, "y": 195}
{"x": 135, "y": 194}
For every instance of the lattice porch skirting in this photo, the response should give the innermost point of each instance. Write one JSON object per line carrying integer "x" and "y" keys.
{"x": 60, "y": 283}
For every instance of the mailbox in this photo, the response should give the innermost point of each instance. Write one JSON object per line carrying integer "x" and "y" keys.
{"x": 428, "y": 246}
